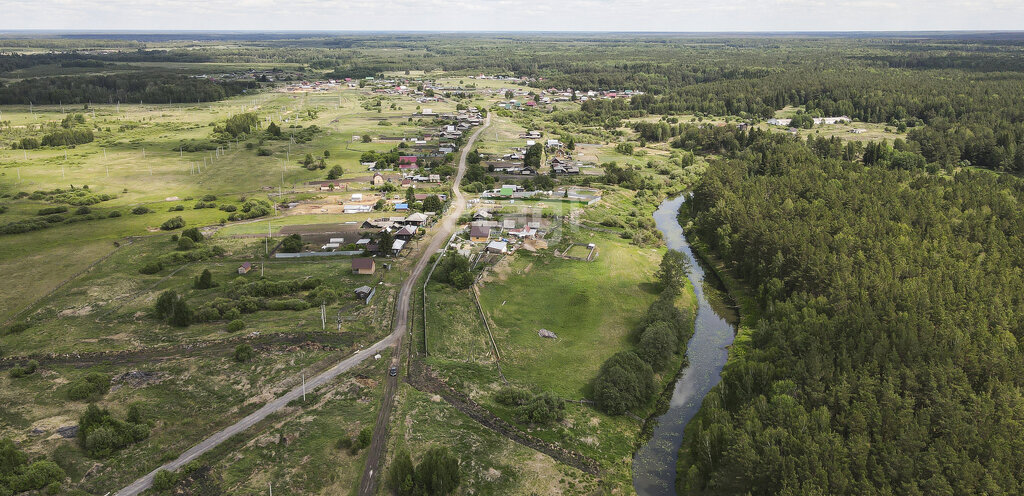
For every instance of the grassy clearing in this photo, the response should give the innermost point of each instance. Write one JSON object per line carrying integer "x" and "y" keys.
{"x": 592, "y": 307}
{"x": 455, "y": 331}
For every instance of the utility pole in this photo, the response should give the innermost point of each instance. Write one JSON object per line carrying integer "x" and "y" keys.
{"x": 303, "y": 387}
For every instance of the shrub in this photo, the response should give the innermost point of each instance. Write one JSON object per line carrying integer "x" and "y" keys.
{"x": 176, "y": 208}
{"x": 361, "y": 441}
{"x": 100, "y": 434}
{"x": 92, "y": 386}
{"x": 232, "y": 313}
{"x": 209, "y": 198}
{"x": 322, "y": 295}
{"x": 292, "y": 244}
{"x": 236, "y": 325}
{"x": 83, "y": 210}
{"x": 19, "y": 370}
{"x": 140, "y": 210}
{"x": 263, "y": 152}
{"x": 114, "y": 214}
{"x": 164, "y": 480}
{"x": 185, "y": 243}
{"x": 244, "y": 353}
{"x": 228, "y": 208}
{"x": 151, "y": 267}
{"x": 52, "y": 210}
{"x": 173, "y": 223}
{"x": 36, "y": 476}
{"x": 193, "y": 233}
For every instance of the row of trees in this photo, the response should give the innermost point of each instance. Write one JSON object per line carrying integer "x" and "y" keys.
{"x": 626, "y": 380}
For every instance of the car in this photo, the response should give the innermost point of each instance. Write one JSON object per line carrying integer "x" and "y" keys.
{"x": 393, "y": 371}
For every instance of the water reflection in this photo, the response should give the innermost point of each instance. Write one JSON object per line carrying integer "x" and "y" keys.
{"x": 654, "y": 467}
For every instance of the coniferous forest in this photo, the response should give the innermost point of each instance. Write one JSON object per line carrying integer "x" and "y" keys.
{"x": 887, "y": 355}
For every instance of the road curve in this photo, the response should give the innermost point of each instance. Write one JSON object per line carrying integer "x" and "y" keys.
{"x": 378, "y": 444}
{"x": 445, "y": 228}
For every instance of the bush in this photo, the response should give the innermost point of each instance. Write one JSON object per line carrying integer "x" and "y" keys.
{"x": 100, "y": 434}
{"x": 263, "y": 152}
{"x": 209, "y": 198}
{"x": 83, "y": 210}
{"x": 292, "y": 244}
{"x": 185, "y": 243}
{"x": 361, "y": 441}
{"x": 228, "y": 208}
{"x": 140, "y": 210}
{"x": 173, "y": 223}
{"x": 38, "y": 475}
{"x": 164, "y": 480}
{"x": 52, "y": 210}
{"x": 176, "y": 208}
{"x": 244, "y": 353}
{"x": 151, "y": 267}
{"x": 528, "y": 408}
{"x": 91, "y": 387}
{"x": 19, "y": 370}
{"x": 114, "y": 214}
{"x": 322, "y": 295}
{"x": 236, "y": 325}
{"x": 193, "y": 233}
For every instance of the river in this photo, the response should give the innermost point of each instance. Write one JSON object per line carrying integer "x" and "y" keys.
{"x": 654, "y": 466}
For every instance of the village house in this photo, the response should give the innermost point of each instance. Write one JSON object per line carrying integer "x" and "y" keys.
{"x": 244, "y": 268}
{"x": 406, "y": 233}
{"x": 479, "y": 234}
{"x": 377, "y": 179}
{"x": 363, "y": 266}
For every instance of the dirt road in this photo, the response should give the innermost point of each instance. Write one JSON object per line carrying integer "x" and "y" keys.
{"x": 371, "y": 473}
{"x": 368, "y": 484}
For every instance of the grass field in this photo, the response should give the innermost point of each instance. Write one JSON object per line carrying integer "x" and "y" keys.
{"x": 135, "y": 158}
{"x": 593, "y": 307}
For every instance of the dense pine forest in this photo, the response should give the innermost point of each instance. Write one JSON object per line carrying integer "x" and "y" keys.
{"x": 887, "y": 358}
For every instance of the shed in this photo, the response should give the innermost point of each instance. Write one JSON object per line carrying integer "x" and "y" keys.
{"x": 244, "y": 268}
{"x": 363, "y": 265}
{"x": 365, "y": 293}
{"x": 499, "y": 247}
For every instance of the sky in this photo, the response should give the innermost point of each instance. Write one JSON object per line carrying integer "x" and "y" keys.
{"x": 514, "y": 15}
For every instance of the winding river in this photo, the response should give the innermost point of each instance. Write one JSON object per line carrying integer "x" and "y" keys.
{"x": 654, "y": 466}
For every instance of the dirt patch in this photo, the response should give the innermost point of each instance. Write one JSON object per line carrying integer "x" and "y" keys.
{"x": 75, "y": 312}
{"x": 136, "y": 379}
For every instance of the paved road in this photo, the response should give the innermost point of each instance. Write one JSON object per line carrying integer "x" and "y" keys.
{"x": 444, "y": 230}
{"x": 378, "y": 445}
